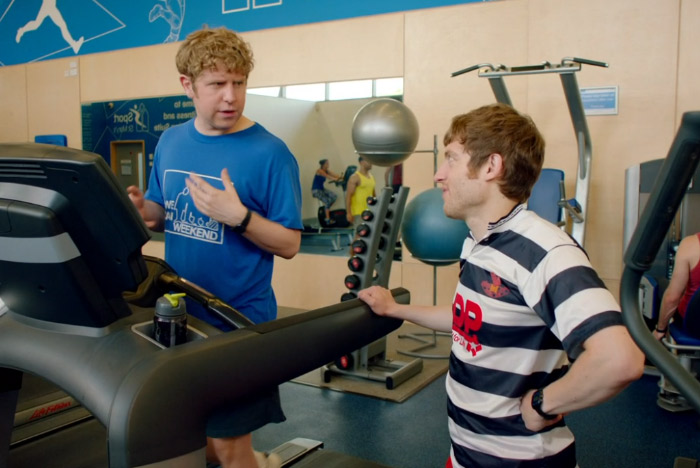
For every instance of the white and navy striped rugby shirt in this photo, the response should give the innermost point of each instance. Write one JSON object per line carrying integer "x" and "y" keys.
{"x": 526, "y": 301}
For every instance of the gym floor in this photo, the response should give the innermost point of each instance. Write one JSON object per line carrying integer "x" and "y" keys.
{"x": 628, "y": 431}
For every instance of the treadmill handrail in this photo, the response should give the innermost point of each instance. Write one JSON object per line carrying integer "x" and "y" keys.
{"x": 161, "y": 399}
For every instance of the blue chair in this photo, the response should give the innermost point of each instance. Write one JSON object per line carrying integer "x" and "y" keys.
{"x": 545, "y": 196}
{"x": 687, "y": 332}
{"x": 683, "y": 340}
{"x": 58, "y": 140}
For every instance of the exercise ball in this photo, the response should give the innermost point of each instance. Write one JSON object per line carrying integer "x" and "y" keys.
{"x": 428, "y": 234}
{"x": 385, "y": 132}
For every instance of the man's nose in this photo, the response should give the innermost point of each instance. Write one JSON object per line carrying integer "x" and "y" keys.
{"x": 229, "y": 93}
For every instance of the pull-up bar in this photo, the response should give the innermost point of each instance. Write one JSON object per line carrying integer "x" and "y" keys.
{"x": 575, "y": 208}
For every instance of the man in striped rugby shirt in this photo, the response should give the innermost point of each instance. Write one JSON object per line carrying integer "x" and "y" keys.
{"x": 536, "y": 335}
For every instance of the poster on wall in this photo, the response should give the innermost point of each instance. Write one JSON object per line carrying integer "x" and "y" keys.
{"x": 132, "y": 120}
{"x": 34, "y": 30}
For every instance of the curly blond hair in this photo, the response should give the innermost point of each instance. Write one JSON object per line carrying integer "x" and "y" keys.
{"x": 209, "y": 48}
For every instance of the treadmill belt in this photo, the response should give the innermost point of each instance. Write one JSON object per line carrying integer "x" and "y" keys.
{"x": 83, "y": 445}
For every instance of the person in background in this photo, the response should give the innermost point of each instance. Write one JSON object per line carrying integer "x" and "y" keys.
{"x": 228, "y": 196}
{"x": 361, "y": 186}
{"x": 535, "y": 333}
{"x": 393, "y": 177}
{"x": 327, "y": 197}
{"x": 685, "y": 280}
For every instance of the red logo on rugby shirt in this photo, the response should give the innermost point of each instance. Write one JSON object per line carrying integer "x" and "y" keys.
{"x": 494, "y": 289}
{"x": 466, "y": 321}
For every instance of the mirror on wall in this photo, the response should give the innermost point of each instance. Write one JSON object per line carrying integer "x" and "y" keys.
{"x": 315, "y": 120}
{"x": 316, "y": 130}
{"x": 313, "y": 131}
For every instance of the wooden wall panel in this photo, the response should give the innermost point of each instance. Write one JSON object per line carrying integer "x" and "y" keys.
{"x": 53, "y": 100}
{"x": 360, "y": 48}
{"x": 642, "y": 65}
{"x": 130, "y": 73}
{"x": 688, "y": 93}
{"x": 13, "y": 102}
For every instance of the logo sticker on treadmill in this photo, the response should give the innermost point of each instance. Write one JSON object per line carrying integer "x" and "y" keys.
{"x": 182, "y": 217}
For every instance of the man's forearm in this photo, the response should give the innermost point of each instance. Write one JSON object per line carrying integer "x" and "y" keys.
{"x": 610, "y": 362}
{"x": 273, "y": 237}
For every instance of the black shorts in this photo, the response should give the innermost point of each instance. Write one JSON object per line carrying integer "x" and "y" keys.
{"x": 244, "y": 416}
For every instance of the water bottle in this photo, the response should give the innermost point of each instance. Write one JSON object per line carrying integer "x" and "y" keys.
{"x": 170, "y": 320}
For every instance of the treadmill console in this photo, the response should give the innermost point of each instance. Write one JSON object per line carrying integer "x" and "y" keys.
{"x": 70, "y": 238}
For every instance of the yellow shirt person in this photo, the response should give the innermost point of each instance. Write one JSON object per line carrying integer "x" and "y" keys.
{"x": 361, "y": 185}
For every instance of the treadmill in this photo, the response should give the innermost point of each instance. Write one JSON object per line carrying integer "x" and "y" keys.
{"x": 76, "y": 310}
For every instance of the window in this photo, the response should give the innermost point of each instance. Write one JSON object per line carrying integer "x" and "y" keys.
{"x": 388, "y": 87}
{"x": 273, "y": 91}
{"x": 349, "y": 90}
{"x": 335, "y": 91}
{"x": 307, "y": 92}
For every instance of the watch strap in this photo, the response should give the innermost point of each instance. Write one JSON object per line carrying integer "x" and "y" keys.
{"x": 537, "y": 400}
{"x": 241, "y": 227}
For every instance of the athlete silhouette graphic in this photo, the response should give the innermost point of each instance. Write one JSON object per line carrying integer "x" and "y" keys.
{"x": 50, "y": 10}
{"x": 171, "y": 12}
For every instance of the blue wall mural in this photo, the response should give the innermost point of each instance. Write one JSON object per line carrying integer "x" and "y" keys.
{"x": 34, "y": 30}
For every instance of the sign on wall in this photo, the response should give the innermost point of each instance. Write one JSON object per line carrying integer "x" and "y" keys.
{"x": 133, "y": 120}
{"x": 600, "y": 100}
{"x": 34, "y": 30}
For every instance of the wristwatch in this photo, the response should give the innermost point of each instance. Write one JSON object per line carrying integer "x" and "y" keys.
{"x": 537, "y": 399}
{"x": 241, "y": 227}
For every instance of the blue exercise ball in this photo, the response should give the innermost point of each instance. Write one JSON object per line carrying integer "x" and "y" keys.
{"x": 428, "y": 233}
{"x": 385, "y": 132}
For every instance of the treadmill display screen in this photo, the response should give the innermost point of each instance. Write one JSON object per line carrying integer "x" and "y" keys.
{"x": 70, "y": 238}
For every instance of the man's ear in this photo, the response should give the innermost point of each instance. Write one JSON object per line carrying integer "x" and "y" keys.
{"x": 187, "y": 85}
{"x": 494, "y": 166}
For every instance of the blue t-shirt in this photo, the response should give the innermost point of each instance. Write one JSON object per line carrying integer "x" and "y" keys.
{"x": 200, "y": 249}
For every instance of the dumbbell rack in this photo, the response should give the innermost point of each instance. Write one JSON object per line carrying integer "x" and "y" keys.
{"x": 370, "y": 264}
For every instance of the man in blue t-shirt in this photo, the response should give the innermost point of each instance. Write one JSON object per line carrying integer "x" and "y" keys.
{"x": 226, "y": 192}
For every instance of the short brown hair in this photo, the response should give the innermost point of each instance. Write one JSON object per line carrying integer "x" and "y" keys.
{"x": 208, "y": 48}
{"x": 498, "y": 128}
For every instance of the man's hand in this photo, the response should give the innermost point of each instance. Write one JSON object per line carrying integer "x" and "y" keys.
{"x": 532, "y": 420}
{"x": 222, "y": 205}
{"x": 379, "y": 299}
{"x": 136, "y": 196}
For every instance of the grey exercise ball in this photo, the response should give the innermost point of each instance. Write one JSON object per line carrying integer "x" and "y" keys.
{"x": 385, "y": 132}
